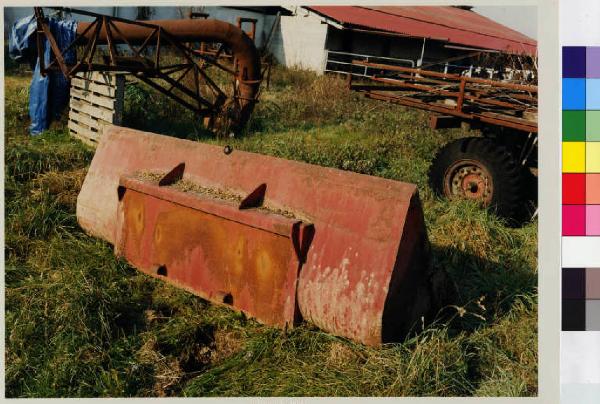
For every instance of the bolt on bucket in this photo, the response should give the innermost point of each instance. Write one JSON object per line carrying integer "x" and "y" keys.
{"x": 279, "y": 240}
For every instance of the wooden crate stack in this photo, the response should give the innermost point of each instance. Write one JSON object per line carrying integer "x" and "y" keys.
{"x": 96, "y": 101}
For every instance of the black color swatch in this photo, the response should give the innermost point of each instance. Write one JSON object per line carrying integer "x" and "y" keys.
{"x": 573, "y": 315}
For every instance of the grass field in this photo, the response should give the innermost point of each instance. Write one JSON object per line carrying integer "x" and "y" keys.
{"x": 81, "y": 323}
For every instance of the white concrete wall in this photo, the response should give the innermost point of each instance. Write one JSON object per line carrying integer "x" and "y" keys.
{"x": 300, "y": 41}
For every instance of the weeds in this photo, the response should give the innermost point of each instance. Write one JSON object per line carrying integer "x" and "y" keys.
{"x": 81, "y": 323}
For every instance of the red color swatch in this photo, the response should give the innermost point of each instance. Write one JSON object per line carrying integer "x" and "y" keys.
{"x": 573, "y": 189}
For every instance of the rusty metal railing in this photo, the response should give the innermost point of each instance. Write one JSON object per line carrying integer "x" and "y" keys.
{"x": 470, "y": 99}
{"x": 335, "y": 64}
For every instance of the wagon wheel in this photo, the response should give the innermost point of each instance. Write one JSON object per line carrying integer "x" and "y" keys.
{"x": 483, "y": 170}
{"x": 469, "y": 179}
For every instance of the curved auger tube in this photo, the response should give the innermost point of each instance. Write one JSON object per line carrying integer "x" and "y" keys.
{"x": 196, "y": 30}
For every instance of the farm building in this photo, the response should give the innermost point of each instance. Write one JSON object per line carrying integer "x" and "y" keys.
{"x": 328, "y": 38}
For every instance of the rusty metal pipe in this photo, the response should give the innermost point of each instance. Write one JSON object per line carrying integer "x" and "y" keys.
{"x": 209, "y": 30}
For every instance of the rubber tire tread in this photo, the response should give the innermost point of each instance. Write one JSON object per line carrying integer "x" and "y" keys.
{"x": 507, "y": 175}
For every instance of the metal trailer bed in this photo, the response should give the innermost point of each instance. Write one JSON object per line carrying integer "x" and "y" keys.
{"x": 495, "y": 168}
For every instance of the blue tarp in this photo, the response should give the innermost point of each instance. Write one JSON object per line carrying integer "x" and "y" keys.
{"x": 47, "y": 95}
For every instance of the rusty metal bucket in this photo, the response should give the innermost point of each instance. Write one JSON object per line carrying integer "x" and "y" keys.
{"x": 280, "y": 240}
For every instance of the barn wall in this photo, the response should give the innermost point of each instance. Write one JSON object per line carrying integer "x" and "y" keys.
{"x": 300, "y": 41}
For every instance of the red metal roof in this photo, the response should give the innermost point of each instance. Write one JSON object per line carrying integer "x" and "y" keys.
{"x": 451, "y": 24}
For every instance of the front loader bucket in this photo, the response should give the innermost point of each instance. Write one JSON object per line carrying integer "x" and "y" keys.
{"x": 280, "y": 240}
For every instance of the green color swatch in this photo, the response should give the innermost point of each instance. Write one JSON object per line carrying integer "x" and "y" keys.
{"x": 574, "y": 125}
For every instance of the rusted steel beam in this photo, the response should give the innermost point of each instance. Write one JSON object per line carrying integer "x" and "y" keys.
{"x": 88, "y": 51}
{"x": 146, "y": 41}
{"x": 43, "y": 26}
{"x": 475, "y": 90}
{"x": 416, "y": 78}
{"x": 112, "y": 51}
{"x": 77, "y": 40}
{"x": 497, "y": 119}
{"x": 121, "y": 36}
{"x": 477, "y": 100}
{"x": 170, "y": 94}
{"x": 415, "y": 86}
{"x": 503, "y": 104}
{"x": 510, "y": 122}
{"x": 512, "y": 86}
{"x": 252, "y": 21}
{"x": 461, "y": 95}
{"x": 280, "y": 240}
{"x": 375, "y": 87}
{"x": 444, "y": 122}
{"x": 185, "y": 72}
{"x": 411, "y": 102}
{"x": 398, "y": 85}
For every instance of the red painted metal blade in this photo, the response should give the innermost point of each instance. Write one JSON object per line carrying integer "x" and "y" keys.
{"x": 241, "y": 258}
{"x": 359, "y": 249}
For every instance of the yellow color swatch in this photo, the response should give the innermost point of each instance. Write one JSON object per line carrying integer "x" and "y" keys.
{"x": 592, "y": 159}
{"x": 573, "y": 157}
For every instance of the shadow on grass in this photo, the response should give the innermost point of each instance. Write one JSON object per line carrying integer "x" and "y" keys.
{"x": 485, "y": 290}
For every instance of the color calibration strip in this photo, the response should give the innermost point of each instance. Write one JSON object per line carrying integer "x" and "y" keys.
{"x": 581, "y": 299}
{"x": 580, "y": 244}
{"x": 581, "y": 141}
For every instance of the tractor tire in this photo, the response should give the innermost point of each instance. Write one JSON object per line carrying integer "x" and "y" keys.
{"x": 483, "y": 170}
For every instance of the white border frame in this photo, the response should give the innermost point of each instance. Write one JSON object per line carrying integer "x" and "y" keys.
{"x": 549, "y": 191}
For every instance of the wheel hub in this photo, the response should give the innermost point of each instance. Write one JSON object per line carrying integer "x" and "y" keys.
{"x": 470, "y": 180}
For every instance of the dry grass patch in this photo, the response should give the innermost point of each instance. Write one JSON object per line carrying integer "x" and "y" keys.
{"x": 227, "y": 343}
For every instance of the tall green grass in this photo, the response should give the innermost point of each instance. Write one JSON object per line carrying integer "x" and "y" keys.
{"x": 81, "y": 323}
